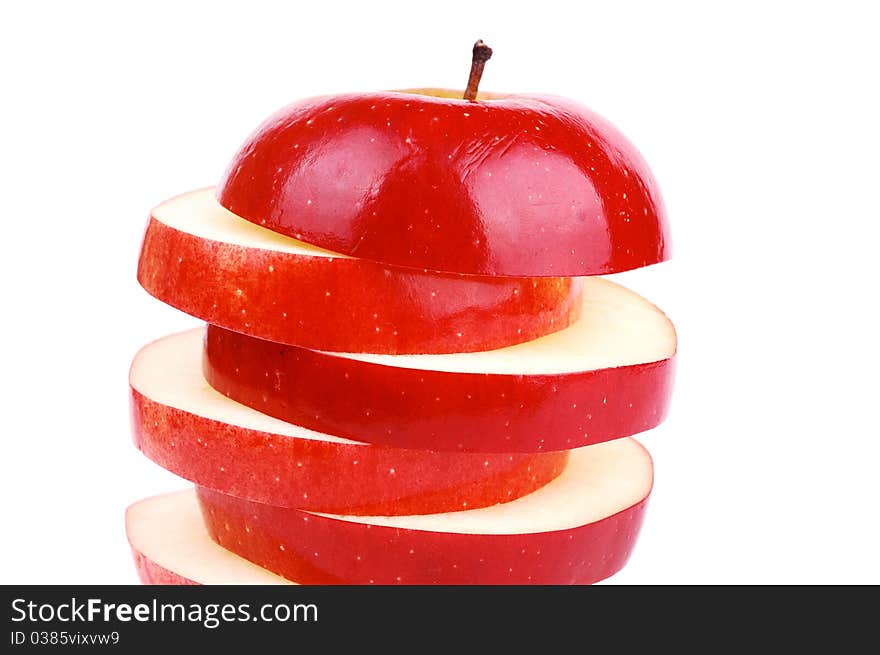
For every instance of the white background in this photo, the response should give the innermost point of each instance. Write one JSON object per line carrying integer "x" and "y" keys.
{"x": 759, "y": 121}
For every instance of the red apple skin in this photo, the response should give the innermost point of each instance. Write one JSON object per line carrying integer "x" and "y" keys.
{"x": 354, "y": 479}
{"x": 520, "y": 185}
{"x": 348, "y": 305}
{"x": 437, "y": 410}
{"x": 314, "y": 549}
{"x": 151, "y": 573}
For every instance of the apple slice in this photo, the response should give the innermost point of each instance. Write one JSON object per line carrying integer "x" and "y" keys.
{"x": 187, "y": 427}
{"x": 202, "y": 259}
{"x": 578, "y": 529}
{"x": 171, "y": 546}
{"x": 506, "y": 185}
{"x": 609, "y": 375}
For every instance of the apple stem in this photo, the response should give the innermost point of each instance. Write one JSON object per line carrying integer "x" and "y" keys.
{"x": 481, "y": 55}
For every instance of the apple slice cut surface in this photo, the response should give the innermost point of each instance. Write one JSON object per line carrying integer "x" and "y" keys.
{"x": 190, "y": 429}
{"x": 170, "y": 545}
{"x": 608, "y": 375}
{"x": 204, "y": 260}
{"x": 578, "y": 529}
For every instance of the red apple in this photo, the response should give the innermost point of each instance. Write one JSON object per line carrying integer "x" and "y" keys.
{"x": 609, "y": 375}
{"x": 203, "y": 260}
{"x": 518, "y": 185}
{"x": 578, "y": 529}
{"x": 171, "y": 546}
{"x": 185, "y": 426}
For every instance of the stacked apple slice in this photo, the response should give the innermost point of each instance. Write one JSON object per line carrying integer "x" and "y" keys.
{"x": 410, "y": 373}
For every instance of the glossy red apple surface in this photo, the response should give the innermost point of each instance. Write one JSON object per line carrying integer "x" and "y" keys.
{"x": 201, "y": 259}
{"x": 518, "y": 185}
{"x": 607, "y": 376}
{"x": 188, "y": 428}
{"x": 578, "y": 529}
{"x": 171, "y": 546}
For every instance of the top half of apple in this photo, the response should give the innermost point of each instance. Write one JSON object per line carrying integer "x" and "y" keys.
{"x": 507, "y": 185}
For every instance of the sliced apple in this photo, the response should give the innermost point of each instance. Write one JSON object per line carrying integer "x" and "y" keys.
{"x": 609, "y": 375}
{"x": 171, "y": 546}
{"x": 578, "y": 529}
{"x": 187, "y": 427}
{"x": 205, "y": 261}
{"x": 507, "y": 185}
